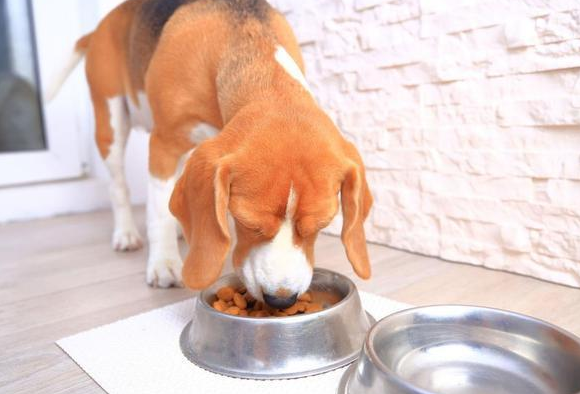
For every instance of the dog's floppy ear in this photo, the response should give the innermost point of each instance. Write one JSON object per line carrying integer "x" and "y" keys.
{"x": 200, "y": 202}
{"x": 356, "y": 204}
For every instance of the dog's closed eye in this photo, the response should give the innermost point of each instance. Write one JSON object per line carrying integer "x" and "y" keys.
{"x": 307, "y": 226}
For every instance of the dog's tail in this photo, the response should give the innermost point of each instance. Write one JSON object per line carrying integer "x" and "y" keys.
{"x": 80, "y": 50}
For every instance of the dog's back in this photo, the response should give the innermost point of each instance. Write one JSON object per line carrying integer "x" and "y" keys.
{"x": 128, "y": 37}
{"x": 152, "y": 16}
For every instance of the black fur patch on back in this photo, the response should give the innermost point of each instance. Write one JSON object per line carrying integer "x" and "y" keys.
{"x": 243, "y": 9}
{"x": 157, "y": 12}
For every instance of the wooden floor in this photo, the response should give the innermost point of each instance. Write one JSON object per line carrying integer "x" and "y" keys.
{"x": 59, "y": 276}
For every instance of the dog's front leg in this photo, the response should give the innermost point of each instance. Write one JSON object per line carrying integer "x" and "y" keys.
{"x": 164, "y": 264}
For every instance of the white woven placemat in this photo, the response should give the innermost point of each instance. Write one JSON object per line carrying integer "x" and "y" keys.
{"x": 141, "y": 355}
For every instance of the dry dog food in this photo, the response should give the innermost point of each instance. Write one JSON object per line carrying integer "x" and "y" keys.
{"x": 241, "y": 303}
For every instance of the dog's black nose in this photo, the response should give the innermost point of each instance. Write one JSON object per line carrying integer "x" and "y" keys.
{"x": 280, "y": 302}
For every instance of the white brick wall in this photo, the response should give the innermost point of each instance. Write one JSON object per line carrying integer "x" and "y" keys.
{"x": 467, "y": 115}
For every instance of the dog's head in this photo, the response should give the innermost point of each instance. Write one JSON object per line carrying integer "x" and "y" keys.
{"x": 281, "y": 189}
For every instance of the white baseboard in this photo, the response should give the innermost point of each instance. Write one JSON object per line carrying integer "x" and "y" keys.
{"x": 52, "y": 199}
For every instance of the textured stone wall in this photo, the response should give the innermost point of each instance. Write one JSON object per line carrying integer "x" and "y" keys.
{"x": 467, "y": 115}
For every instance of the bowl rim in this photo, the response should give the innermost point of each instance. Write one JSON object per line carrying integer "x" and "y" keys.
{"x": 352, "y": 290}
{"x": 390, "y": 374}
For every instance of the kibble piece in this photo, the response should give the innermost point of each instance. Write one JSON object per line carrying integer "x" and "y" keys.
{"x": 292, "y": 310}
{"x": 306, "y": 297}
{"x": 313, "y": 307}
{"x": 280, "y": 314}
{"x": 240, "y": 301}
{"x": 301, "y": 306}
{"x": 258, "y": 306}
{"x": 226, "y": 293}
{"x": 243, "y": 312}
{"x": 232, "y": 310}
{"x": 220, "y": 305}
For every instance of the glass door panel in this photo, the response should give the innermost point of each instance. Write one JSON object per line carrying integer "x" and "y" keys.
{"x": 21, "y": 125}
{"x": 40, "y": 141}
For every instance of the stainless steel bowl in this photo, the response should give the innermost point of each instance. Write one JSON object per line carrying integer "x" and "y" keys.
{"x": 278, "y": 347}
{"x": 465, "y": 349}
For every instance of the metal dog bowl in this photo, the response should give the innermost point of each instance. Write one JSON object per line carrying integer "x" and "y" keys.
{"x": 278, "y": 347}
{"x": 464, "y": 349}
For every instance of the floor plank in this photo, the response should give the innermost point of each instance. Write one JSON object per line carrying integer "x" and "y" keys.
{"x": 60, "y": 277}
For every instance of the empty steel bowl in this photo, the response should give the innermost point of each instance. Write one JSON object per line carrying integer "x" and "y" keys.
{"x": 464, "y": 349}
{"x": 278, "y": 347}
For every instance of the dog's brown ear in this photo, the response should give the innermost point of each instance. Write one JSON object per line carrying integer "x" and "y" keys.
{"x": 356, "y": 204}
{"x": 200, "y": 202}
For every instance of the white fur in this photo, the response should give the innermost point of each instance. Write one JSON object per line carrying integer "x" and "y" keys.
{"x": 141, "y": 112}
{"x": 278, "y": 264}
{"x": 60, "y": 78}
{"x": 288, "y": 64}
{"x": 164, "y": 264}
{"x": 125, "y": 236}
{"x": 201, "y": 132}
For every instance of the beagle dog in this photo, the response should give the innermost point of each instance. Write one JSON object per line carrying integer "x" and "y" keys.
{"x": 220, "y": 85}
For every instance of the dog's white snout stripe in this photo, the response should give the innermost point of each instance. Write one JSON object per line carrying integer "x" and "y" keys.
{"x": 279, "y": 264}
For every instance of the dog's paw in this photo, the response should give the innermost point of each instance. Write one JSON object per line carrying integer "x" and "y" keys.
{"x": 125, "y": 240}
{"x": 164, "y": 272}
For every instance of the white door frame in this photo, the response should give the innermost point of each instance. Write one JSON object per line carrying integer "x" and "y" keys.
{"x": 72, "y": 193}
{"x": 63, "y": 117}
